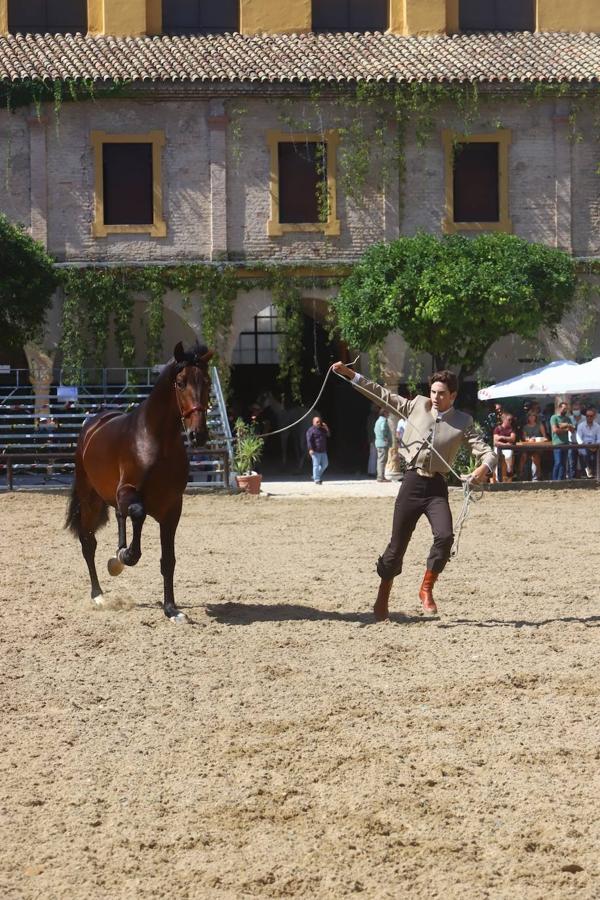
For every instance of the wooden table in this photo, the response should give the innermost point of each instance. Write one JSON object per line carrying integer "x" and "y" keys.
{"x": 543, "y": 446}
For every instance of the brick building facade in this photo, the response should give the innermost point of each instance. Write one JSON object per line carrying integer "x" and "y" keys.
{"x": 205, "y": 120}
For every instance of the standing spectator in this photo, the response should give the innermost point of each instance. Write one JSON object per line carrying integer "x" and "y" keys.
{"x": 316, "y": 441}
{"x": 573, "y": 457}
{"x": 505, "y": 437}
{"x": 588, "y": 432}
{"x": 371, "y": 419}
{"x": 534, "y": 431}
{"x": 383, "y": 441}
{"x": 491, "y": 420}
{"x": 561, "y": 426}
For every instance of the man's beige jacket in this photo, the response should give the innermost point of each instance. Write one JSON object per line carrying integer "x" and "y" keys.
{"x": 448, "y": 432}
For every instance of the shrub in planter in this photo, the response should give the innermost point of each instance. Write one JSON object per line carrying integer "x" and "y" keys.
{"x": 247, "y": 452}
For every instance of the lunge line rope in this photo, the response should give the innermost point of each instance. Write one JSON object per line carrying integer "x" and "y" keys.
{"x": 471, "y": 492}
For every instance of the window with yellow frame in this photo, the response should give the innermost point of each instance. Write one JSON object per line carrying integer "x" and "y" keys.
{"x": 303, "y": 183}
{"x": 128, "y": 184}
{"x": 476, "y": 176}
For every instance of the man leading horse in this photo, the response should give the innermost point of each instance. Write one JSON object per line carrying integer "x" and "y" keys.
{"x": 434, "y": 433}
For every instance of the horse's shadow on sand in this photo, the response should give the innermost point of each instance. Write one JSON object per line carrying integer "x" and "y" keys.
{"x": 251, "y": 613}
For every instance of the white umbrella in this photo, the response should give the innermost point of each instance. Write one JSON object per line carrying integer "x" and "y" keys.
{"x": 584, "y": 379}
{"x": 550, "y": 379}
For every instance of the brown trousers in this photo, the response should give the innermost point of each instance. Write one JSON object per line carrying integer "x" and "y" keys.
{"x": 419, "y": 496}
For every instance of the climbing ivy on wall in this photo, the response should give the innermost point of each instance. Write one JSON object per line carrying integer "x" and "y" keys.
{"x": 374, "y": 120}
{"x": 98, "y": 300}
{"x": 34, "y": 92}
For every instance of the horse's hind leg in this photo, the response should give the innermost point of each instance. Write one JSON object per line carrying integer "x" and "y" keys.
{"x": 168, "y": 527}
{"x": 87, "y": 512}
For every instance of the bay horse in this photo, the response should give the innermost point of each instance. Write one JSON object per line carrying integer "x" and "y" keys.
{"x": 137, "y": 463}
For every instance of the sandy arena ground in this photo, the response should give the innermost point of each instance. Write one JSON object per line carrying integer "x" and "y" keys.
{"x": 283, "y": 745}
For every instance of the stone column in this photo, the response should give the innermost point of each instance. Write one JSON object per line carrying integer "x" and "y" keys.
{"x": 41, "y": 364}
{"x": 38, "y": 177}
{"x": 562, "y": 168}
{"x": 217, "y": 144}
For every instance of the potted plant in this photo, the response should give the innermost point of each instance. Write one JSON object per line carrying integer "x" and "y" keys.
{"x": 247, "y": 452}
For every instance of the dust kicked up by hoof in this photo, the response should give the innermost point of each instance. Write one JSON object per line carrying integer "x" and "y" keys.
{"x": 115, "y": 566}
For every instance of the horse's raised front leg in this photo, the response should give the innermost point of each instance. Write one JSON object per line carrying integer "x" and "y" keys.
{"x": 168, "y": 527}
{"x": 115, "y": 566}
{"x": 129, "y": 503}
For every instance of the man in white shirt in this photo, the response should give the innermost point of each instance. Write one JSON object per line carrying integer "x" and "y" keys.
{"x": 588, "y": 432}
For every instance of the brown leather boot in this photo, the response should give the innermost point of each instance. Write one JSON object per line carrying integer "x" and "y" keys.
{"x": 426, "y": 592}
{"x": 383, "y": 595}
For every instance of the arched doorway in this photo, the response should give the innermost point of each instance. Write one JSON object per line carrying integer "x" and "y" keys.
{"x": 255, "y": 371}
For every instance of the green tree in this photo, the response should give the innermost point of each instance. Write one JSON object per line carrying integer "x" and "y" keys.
{"x": 27, "y": 282}
{"x": 454, "y": 296}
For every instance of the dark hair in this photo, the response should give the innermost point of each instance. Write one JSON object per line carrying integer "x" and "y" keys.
{"x": 446, "y": 377}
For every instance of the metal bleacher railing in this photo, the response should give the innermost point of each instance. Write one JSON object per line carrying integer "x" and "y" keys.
{"x": 40, "y": 449}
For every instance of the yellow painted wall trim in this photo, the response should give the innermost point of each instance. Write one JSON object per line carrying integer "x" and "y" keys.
{"x": 331, "y": 226}
{"x": 154, "y": 16}
{"x": 275, "y": 16}
{"x": 122, "y": 18}
{"x": 568, "y": 15}
{"x": 158, "y": 228}
{"x": 503, "y": 138}
{"x": 452, "y": 17}
{"x": 424, "y": 17}
{"x": 396, "y": 16}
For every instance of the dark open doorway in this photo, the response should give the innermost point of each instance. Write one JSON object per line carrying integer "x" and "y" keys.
{"x": 344, "y": 410}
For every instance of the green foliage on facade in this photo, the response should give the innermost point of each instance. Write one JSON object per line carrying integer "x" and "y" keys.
{"x": 453, "y": 297}
{"x": 99, "y": 300}
{"x": 27, "y": 282}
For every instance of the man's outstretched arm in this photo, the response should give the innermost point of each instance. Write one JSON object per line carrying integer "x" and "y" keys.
{"x": 374, "y": 391}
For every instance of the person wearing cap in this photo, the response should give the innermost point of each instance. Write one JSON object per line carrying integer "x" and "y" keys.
{"x": 434, "y": 433}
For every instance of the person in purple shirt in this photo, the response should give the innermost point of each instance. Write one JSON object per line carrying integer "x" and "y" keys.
{"x": 316, "y": 441}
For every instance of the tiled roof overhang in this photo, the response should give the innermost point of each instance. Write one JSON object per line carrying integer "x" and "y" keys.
{"x": 516, "y": 58}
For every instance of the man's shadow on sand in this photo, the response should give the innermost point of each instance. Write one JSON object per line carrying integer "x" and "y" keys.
{"x": 249, "y": 613}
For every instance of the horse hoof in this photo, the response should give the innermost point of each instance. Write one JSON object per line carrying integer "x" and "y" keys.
{"x": 115, "y": 566}
{"x": 179, "y": 619}
{"x": 98, "y": 600}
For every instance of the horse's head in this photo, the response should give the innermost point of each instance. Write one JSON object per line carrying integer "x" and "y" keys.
{"x": 192, "y": 389}
{"x": 266, "y": 400}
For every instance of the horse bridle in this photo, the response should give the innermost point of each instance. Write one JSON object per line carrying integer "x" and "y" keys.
{"x": 199, "y": 407}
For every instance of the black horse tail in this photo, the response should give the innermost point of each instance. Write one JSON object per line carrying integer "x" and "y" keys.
{"x": 73, "y": 518}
